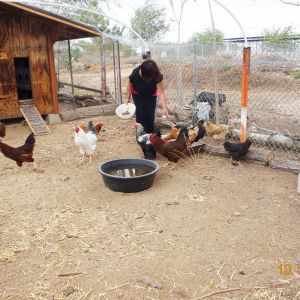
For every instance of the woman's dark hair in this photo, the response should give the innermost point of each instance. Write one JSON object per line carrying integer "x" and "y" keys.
{"x": 150, "y": 70}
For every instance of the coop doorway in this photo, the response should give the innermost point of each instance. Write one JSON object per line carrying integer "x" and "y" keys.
{"x": 23, "y": 78}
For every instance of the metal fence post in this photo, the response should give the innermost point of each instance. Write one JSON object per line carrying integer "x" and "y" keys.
{"x": 244, "y": 102}
{"x": 179, "y": 78}
{"x": 194, "y": 76}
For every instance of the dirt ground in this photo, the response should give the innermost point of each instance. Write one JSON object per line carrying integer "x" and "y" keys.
{"x": 204, "y": 227}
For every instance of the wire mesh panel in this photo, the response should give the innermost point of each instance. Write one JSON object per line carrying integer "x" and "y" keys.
{"x": 274, "y": 106}
{"x": 190, "y": 71}
{"x": 198, "y": 68}
{"x": 273, "y": 95}
{"x": 85, "y": 57}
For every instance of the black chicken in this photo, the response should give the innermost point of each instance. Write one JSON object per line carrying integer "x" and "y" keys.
{"x": 201, "y": 131}
{"x": 142, "y": 138}
{"x": 237, "y": 150}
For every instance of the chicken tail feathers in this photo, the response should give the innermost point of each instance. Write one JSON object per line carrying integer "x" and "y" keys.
{"x": 91, "y": 127}
{"x": 201, "y": 133}
{"x": 139, "y": 130}
{"x": 231, "y": 146}
{"x": 98, "y": 127}
{"x": 157, "y": 132}
{"x": 227, "y": 145}
{"x": 184, "y": 131}
{"x": 30, "y": 139}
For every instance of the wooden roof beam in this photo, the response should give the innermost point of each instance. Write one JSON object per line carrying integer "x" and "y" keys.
{"x": 86, "y": 30}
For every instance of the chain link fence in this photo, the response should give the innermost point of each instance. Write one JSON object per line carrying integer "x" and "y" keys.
{"x": 193, "y": 75}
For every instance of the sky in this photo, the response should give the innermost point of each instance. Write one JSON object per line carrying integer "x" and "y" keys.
{"x": 253, "y": 15}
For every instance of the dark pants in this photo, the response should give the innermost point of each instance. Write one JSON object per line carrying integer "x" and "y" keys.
{"x": 145, "y": 111}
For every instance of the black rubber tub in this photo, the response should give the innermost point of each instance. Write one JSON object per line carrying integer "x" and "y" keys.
{"x": 128, "y": 175}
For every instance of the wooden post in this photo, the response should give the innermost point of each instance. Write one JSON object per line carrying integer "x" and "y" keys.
{"x": 256, "y": 155}
{"x": 244, "y": 101}
{"x": 103, "y": 66}
{"x": 71, "y": 69}
{"x": 117, "y": 72}
{"x": 194, "y": 76}
{"x": 58, "y": 67}
{"x": 53, "y": 79}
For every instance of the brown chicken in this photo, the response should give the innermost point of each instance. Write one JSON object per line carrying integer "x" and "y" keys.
{"x": 217, "y": 131}
{"x": 2, "y": 130}
{"x": 20, "y": 154}
{"x": 172, "y": 135}
{"x": 171, "y": 150}
{"x": 195, "y": 134}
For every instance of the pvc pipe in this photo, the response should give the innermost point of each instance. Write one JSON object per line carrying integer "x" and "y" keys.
{"x": 245, "y": 76}
{"x": 217, "y": 106}
{"x": 236, "y": 20}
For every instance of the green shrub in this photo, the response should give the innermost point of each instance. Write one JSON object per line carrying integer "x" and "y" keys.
{"x": 227, "y": 67}
{"x": 296, "y": 75}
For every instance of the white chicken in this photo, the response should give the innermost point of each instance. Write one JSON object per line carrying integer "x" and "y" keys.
{"x": 86, "y": 142}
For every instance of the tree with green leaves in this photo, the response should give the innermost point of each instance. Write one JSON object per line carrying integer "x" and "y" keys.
{"x": 150, "y": 21}
{"x": 280, "y": 38}
{"x": 83, "y": 16}
{"x": 277, "y": 35}
{"x": 206, "y": 36}
{"x": 201, "y": 42}
{"x": 88, "y": 12}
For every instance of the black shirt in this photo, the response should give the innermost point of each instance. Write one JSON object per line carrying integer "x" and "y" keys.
{"x": 142, "y": 87}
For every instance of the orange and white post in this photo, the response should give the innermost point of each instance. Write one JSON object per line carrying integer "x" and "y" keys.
{"x": 244, "y": 102}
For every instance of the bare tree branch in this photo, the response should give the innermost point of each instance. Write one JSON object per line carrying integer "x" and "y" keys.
{"x": 178, "y": 18}
{"x": 296, "y": 3}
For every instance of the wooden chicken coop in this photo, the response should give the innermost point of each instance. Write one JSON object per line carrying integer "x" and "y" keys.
{"x": 28, "y": 83}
